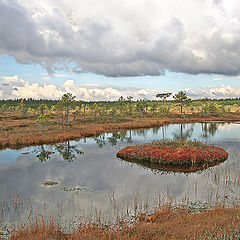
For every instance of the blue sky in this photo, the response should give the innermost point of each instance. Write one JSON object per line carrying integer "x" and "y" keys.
{"x": 101, "y": 51}
{"x": 170, "y": 81}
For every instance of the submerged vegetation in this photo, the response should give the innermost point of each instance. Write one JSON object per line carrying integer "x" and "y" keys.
{"x": 49, "y": 183}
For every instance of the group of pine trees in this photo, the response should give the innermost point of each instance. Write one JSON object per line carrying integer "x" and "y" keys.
{"x": 68, "y": 106}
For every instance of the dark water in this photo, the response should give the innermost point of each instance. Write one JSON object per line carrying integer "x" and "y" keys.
{"x": 91, "y": 179}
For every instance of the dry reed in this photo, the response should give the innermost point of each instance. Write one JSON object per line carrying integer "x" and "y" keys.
{"x": 164, "y": 223}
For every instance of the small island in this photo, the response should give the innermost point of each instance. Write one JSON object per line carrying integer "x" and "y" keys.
{"x": 177, "y": 153}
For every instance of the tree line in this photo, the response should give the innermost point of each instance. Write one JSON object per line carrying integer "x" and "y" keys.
{"x": 68, "y": 107}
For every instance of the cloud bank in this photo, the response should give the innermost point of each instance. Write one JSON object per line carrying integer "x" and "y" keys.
{"x": 124, "y": 38}
{"x": 13, "y": 87}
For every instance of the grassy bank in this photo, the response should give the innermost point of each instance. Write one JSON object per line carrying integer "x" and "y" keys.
{"x": 17, "y": 133}
{"x": 164, "y": 223}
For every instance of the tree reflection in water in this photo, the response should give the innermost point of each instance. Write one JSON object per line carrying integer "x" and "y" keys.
{"x": 129, "y": 139}
{"x": 141, "y": 132}
{"x": 100, "y": 141}
{"x": 68, "y": 151}
{"x": 185, "y": 131}
{"x": 119, "y": 136}
{"x": 114, "y": 138}
{"x": 166, "y": 169}
{"x": 42, "y": 154}
{"x": 209, "y": 129}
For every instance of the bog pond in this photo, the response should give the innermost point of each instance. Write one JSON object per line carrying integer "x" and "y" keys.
{"x": 78, "y": 179}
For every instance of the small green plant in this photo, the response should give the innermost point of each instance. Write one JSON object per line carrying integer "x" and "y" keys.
{"x": 213, "y": 108}
{"x": 42, "y": 119}
{"x": 49, "y": 183}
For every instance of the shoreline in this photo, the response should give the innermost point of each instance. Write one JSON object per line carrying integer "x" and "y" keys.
{"x": 19, "y": 136}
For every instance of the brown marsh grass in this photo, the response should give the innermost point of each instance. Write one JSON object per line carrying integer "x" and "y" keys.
{"x": 164, "y": 223}
{"x": 17, "y": 133}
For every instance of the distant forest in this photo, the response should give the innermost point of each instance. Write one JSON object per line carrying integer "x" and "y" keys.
{"x": 34, "y": 103}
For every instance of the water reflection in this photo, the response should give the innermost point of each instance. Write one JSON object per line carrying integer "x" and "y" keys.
{"x": 184, "y": 131}
{"x": 103, "y": 173}
{"x": 42, "y": 154}
{"x": 69, "y": 151}
{"x": 209, "y": 129}
{"x": 120, "y": 136}
{"x": 113, "y": 138}
{"x": 100, "y": 141}
{"x": 168, "y": 169}
{"x": 180, "y": 131}
{"x": 66, "y": 150}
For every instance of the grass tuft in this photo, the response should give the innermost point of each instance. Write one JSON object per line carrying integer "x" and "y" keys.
{"x": 164, "y": 223}
{"x": 49, "y": 183}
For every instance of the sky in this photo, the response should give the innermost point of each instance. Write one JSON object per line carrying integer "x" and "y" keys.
{"x": 101, "y": 50}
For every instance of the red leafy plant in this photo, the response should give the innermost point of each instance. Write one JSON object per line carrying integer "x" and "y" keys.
{"x": 174, "y": 152}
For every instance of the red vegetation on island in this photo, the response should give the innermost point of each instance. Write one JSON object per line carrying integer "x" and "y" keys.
{"x": 175, "y": 152}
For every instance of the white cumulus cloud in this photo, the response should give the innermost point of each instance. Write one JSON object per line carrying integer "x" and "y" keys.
{"x": 15, "y": 87}
{"x": 37, "y": 91}
{"x": 214, "y": 92}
